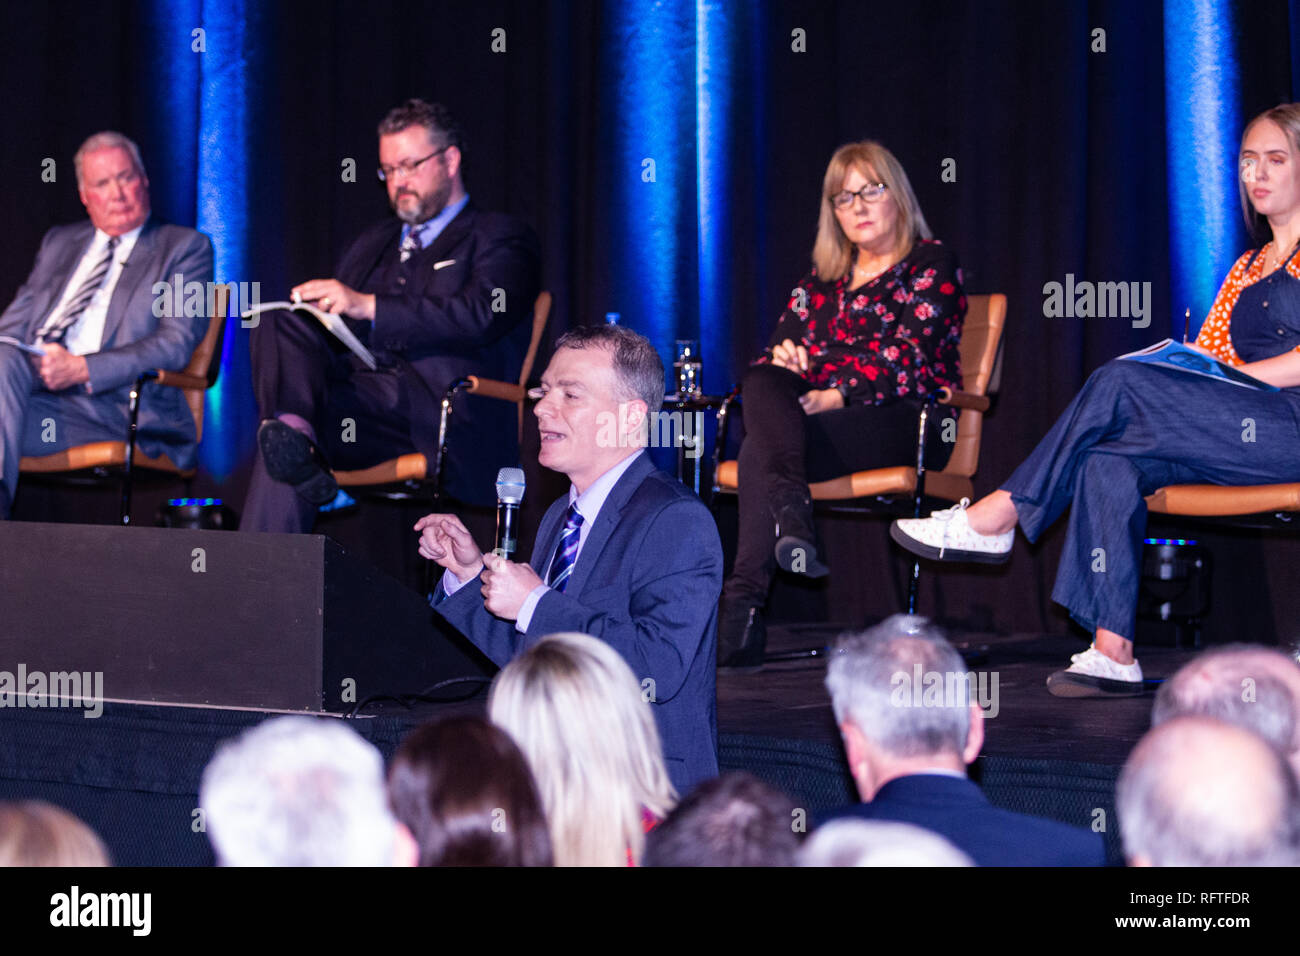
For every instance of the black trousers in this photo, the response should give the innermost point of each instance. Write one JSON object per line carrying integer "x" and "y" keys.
{"x": 785, "y": 448}
{"x": 361, "y": 417}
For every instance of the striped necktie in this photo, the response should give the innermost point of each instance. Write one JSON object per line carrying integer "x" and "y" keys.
{"x": 411, "y": 244}
{"x": 566, "y": 552}
{"x": 58, "y": 330}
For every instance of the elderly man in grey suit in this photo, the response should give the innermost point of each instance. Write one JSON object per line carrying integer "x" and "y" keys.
{"x": 88, "y": 306}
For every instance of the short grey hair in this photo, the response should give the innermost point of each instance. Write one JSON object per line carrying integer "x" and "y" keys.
{"x": 870, "y": 676}
{"x": 298, "y": 791}
{"x": 878, "y": 843}
{"x": 108, "y": 139}
{"x": 1199, "y": 792}
{"x": 1214, "y": 683}
{"x": 637, "y": 366}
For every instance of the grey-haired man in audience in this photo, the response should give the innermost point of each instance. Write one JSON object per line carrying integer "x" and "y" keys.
{"x": 1199, "y": 792}
{"x": 908, "y": 749}
{"x": 301, "y": 791}
{"x": 1246, "y": 685}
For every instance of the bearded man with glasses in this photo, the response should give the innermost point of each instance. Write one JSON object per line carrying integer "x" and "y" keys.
{"x": 441, "y": 291}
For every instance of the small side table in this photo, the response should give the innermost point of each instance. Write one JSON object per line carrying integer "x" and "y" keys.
{"x": 683, "y": 436}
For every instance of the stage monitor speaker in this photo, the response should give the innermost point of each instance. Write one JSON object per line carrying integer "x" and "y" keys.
{"x": 215, "y": 618}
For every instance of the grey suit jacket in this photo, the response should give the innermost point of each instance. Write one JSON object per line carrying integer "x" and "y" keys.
{"x": 134, "y": 338}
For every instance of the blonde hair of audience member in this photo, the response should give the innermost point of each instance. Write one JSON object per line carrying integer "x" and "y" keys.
{"x": 833, "y": 251}
{"x": 577, "y": 712}
{"x": 33, "y": 833}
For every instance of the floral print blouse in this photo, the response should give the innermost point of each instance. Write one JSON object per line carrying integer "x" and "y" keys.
{"x": 891, "y": 338}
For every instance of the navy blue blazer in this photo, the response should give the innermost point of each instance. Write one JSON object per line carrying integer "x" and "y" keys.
{"x": 465, "y": 308}
{"x": 958, "y": 811}
{"x": 647, "y": 583}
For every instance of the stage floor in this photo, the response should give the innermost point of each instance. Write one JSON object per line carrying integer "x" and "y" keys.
{"x": 789, "y": 699}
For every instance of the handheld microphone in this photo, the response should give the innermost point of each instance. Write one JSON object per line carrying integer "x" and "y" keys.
{"x": 510, "y": 491}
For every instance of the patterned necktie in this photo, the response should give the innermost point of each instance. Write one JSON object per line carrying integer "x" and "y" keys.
{"x": 411, "y": 244}
{"x": 566, "y": 552}
{"x": 77, "y": 304}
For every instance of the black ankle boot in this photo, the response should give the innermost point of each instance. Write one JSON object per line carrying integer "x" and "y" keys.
{"x": 796, "y": 548}
{"x": 742, "y": 637}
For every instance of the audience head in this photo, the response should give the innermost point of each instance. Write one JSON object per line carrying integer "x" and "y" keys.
{"x": 465, "y": 792}
{"x": 1270, "y": 149}
{"x": 732, "y": 820}
{"x": 301, "y": 791}
{"x": 878, "y": 843}
{"x": 1199, "y": 792}
{"x": 420, "y": 160}
{"x": 578, "y": 713}
{"x": 903, "y": 700}
{"x": 112, "y": 183}
{"x": 33, "y": 833}
{"x": 1246, "y": 685}
{"x": 837, "y": 228}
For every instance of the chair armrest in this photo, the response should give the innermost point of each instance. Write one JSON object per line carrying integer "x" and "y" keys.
{"x": 180, "y": 380}
{"x": 960, "y": 399}
{"x": 492, "y": 388}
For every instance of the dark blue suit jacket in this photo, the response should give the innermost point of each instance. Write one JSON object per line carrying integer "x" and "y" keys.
{"x": 465, "y": 308}
{"x": 647, "y": 583}
{"x": 958, "y": 811}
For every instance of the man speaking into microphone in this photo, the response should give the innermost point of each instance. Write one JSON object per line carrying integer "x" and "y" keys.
{"x": 629, "y": 556}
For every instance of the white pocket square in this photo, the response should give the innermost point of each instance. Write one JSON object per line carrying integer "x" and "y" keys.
{"x": 443, "y": 264}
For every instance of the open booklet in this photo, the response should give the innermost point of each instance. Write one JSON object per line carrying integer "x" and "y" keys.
{"x": 334, "y": 323}
{"x": 30, "y": 349}
{"x": 1170, "y": 354}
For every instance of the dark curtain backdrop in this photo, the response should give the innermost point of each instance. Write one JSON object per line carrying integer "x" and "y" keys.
{"x": 1060, "y": 153}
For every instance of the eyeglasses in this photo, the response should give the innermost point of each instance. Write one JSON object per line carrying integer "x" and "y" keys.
{"x": 403, "y": 170}
{"x": 871, "y": 192}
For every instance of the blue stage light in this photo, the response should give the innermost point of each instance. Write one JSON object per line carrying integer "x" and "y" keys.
{"x": 1202, "y": 131}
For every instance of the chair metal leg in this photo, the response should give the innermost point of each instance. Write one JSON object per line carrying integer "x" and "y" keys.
{"x": 133, "y": 407}
{"x": 914, "y": 581}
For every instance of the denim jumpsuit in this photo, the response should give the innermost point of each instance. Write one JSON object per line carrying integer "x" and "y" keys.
{"x": 1134, "y": 428}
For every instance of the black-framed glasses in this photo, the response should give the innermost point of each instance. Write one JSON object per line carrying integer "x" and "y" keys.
{"x": 408, "y": 168}
{"x": 871, "y": 192}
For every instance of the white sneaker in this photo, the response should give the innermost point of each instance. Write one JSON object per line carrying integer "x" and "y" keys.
{"x": 947, "y": 536}
{"x": 1093, "y": 674}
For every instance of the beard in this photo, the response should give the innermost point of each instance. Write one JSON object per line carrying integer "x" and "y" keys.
{"x": 425, "y": 207}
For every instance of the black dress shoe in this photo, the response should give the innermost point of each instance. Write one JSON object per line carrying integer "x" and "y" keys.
{"x": 796, "y": 549}
{"x": 742, "y": 638}
{"x": 293, "y": 458}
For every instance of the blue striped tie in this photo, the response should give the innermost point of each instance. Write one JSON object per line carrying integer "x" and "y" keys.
{"x": 58, "y": 330}
{"x": 566, "y": 552}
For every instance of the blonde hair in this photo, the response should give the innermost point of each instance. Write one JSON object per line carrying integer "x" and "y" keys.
{"x": 33, "y": 833}
{"x": 1287, "y": 116}
{"x": 833, "y": 252}
{"x": 576, "y": 710}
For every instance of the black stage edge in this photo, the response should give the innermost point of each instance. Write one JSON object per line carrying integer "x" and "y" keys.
{"x": 214, "y": 618}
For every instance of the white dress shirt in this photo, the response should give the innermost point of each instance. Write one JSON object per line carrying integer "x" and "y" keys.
{"x": 589, "y": 504}
{"x": 86, "y": 335}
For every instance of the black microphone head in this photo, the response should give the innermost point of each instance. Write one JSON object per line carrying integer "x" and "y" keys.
{"x": 510, "y": 486}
